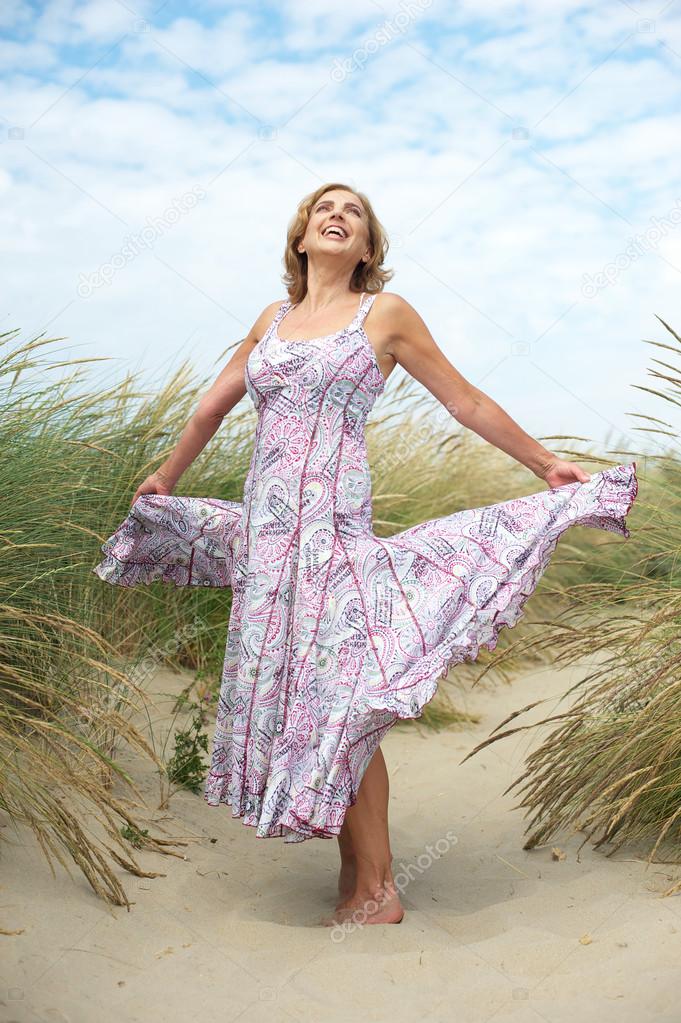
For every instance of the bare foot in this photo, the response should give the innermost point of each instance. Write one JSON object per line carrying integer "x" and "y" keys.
{"x": 384, "y": 908}
{"x": 347, "y": 878}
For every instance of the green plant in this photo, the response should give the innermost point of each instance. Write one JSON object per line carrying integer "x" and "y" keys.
{"x": 185, "y": 767}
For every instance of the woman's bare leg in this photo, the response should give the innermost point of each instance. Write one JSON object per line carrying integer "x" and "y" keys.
{"x": 366, "y": 881}
{"x": 348, "y": 869}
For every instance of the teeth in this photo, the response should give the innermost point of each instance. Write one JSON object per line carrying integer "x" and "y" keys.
{"x": 335, "y": 230}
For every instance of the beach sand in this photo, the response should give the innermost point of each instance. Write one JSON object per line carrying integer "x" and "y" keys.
{"x": 232, "y": 931}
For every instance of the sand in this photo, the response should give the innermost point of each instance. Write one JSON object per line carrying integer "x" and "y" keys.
{"x": 232, "y": 932}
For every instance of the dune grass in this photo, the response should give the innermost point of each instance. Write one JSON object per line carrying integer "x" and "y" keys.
{"x": 609, "y": 763}
{"x": 76, "y": 655}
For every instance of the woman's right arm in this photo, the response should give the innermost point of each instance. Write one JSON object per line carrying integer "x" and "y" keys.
{"x": 228, "y": 388}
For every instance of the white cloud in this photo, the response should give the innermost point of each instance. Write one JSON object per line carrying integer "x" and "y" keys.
{"x": 15, "y": 15}
{"x": 492, "y": 234}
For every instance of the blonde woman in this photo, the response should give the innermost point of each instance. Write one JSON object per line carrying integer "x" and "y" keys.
{"x": 335, "y": 633}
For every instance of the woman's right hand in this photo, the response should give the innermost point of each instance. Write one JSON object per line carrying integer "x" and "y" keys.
{"x": 157, "y": 483}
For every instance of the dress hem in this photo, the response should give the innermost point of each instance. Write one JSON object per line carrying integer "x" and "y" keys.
{"x": 435, "y": 666}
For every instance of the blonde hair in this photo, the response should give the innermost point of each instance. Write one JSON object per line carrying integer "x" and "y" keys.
{"x": 369, "y": 276}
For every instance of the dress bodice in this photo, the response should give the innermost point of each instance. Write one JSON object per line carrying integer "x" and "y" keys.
{"x": 332, "y": 376}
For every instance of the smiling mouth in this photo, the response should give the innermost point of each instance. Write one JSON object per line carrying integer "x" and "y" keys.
{"x": 335, "y": 232}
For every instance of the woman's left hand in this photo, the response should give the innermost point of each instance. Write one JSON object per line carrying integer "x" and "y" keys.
{"x": 559, "y": 472}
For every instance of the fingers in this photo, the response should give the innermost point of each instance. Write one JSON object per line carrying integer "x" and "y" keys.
{"x": 580, "y": 474}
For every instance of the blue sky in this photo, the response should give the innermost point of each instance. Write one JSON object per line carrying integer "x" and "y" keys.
{"x": 523, "y": 158}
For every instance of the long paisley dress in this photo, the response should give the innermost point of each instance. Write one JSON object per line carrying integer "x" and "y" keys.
{"x": 335, "y": 633}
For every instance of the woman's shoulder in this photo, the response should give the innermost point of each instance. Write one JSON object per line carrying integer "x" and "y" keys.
{"x": 390, "y": 308}
{"x": 264, "y": 320}
{"x": 390, "y": 302}
{"x": 273, "y": 308}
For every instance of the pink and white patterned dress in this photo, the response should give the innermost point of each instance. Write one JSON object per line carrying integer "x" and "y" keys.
{"x": 335, "y": 633}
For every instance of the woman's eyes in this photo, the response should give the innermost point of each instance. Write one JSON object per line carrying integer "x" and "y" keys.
{"x": 353, "y": 209}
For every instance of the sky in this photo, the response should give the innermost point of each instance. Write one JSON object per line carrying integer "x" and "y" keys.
{"x": 523, "y": 158}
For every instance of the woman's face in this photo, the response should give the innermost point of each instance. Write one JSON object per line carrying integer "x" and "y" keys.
{"x": 337, "y": 229}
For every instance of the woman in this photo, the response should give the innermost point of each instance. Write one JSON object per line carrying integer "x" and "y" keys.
{"x": 334, "y": 633}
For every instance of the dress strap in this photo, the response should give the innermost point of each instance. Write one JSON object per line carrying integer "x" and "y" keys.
{"x": 365, "y": 304}
{"x": 281, "y": 312}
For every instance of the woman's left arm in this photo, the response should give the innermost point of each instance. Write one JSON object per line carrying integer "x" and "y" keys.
{"x": 412, "y": 345}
